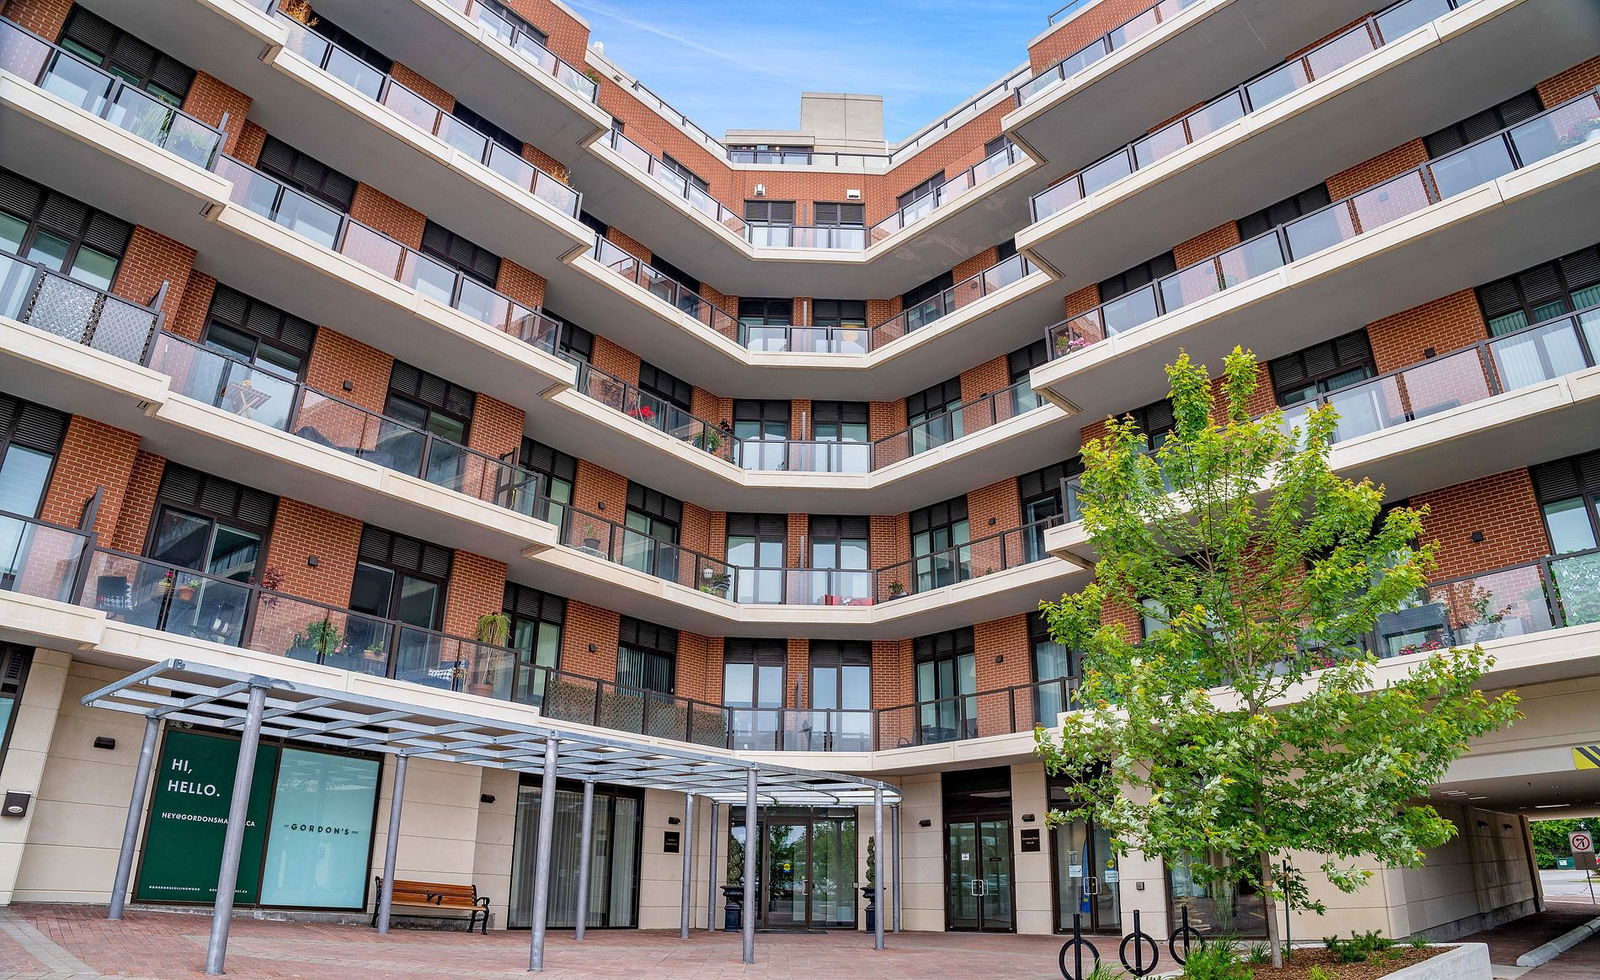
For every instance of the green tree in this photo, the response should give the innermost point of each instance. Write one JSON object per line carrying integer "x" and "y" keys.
{"x": 1250, "y": 723}
{"x": 1550, "y": 838}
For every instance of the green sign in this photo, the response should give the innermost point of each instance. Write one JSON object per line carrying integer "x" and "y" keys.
{"x": 189, "y": 817}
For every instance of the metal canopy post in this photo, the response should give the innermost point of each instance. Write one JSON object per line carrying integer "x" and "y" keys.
{"x": 687, "y": 898}
{"x": 391, "y": 847}
{"x": 130, "y": 830}
{"x": 585, "y": 845}
{"x": 711, "y": 876}
{"x": 895, "y": 813}
{"x": 750, "y": 845}
{"x": 541, "y": 861}
{"x": 233, "y": 840}
{"x": 877, "y": 878}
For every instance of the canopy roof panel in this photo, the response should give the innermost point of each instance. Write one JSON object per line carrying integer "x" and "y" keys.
{"x": 217, "y": 697}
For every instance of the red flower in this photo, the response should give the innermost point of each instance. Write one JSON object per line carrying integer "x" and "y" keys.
{"x": 643, "y": 413}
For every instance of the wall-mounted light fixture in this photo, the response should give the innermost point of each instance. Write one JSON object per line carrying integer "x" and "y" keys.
{"x": 104, "y": 742}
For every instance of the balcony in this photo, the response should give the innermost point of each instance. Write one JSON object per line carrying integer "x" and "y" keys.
{"x": 1499, "y": 204}
{"x": 1158, "y": 64}
{"x": 991, "y": 310}
{"x": 1301, "y": 121}
{"x": 1501, "y": 404}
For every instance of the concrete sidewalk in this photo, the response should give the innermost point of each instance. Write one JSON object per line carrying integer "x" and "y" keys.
{"x": 1511, "y": 940}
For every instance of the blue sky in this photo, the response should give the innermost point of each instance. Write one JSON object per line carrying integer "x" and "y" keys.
{"x": 743, "y": 65}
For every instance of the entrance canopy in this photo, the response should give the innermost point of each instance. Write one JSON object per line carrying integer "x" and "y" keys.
{"x": 216, "y": 697}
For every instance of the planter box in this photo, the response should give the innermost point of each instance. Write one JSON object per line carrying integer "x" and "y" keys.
{"x": 1468, "y": 961}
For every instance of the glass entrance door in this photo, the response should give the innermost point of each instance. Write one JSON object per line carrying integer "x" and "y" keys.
{"x": 978, "y": 876}
{"x": 1086, "y": 878}
{"x": 788, "y": 879}
{"x": 807, "y": 862}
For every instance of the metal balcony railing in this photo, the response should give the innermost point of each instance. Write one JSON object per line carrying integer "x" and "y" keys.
{"x": 1361, "y": 39}
{"x": 955, "y": 187}
{"x": 1118, "y": 37}
{"x": 1002, "y": 711}
{"x": 67, "y": 76}
{"x": 963, "y": 420}
{"x": 1567, "y": 125}
{"x": 56, "y": 304}
{"x": 974, "y": 287}
{"x": 964, "y": 562}
{"x": 423, "y": 115}
{"x": 649, "y": 164}
{"x": 529, "y": 47}
{"x": 665, "y": 288}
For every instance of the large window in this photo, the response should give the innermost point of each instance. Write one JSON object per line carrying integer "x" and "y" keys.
{"x": 694, "y": 179}
{"x": 762, "y": 428}
{"x": 770, "y": 222}
{"x": 14, "y": 663}
{"x": 756, "y": 544}
{"x": 402, "y": 579}
{"x": 933, "y": 416}
{"x": 260, "y": 335}
{"x": 1021, "y": 363}
{"x": 1274, "y": 215}
{"x": 1138, "y": 276}
{"x": 923, "y": 304}
{"x": 306, "y": 173}
{"x": 1486, "y": 123}
{"x": 845, "y": 427}
{"x": 647, "y": 656}
{"x": 536, "y": 620}
{"x": 59, "y": 233}
{"x": 1569, "y": 495}
{"x": 615, "y": 836}
{"x": 839, "y": 549}
{"x": 344, "y": 39}
{"x": 425, "y": 405}
{"x": 650, "y": 538}
{"x": 1320, "y": 368}
{"x": 1215, "y": 908}
{"x": 840, "y": 719}
{"x": 30, "y": 440}
{"x": 938, "y": 536}
{"x": 1055, "y": 668}
{"x": 846, "y": 221}
{"x": 947, "y": 676}
{"x": 102, "y": 43}
{"x": 922, "y": 190}
{"x": 1543, "y": 292}
{"x": 765, "y": 322}
{"x": 558, "y": 473}
{"x": 460, "y": 253}
{"x": 577, "y": 344}
{"x": 845, "y": 321}
{"x": 1045, "y": 502}
{"x": 752, "y": 686}
{"x": 667, "y": 387}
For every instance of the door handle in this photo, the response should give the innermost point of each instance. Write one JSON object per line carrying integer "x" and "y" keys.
{"x": 979, "y": 888}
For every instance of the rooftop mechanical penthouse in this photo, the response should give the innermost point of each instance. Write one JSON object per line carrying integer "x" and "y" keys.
{"x": 415, "y": 354}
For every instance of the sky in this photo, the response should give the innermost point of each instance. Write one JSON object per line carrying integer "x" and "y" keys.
{"x": 742, "y": 65}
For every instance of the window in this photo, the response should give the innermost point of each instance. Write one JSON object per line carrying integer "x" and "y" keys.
{"x": 670, "y": 389}
{"x": 59, "y": 233}
{"x": 938, "y": 534}
{"x": 1285, "y": 211}
{"x": 647, "y": 656}
{"x": 844, "y": 426}
{"x": 752, "y": 685}
{"x": 650, "y": 538}
{"x": 425, "y": 404}
{"x": 922, "y": 190}
{"x": 460, "y": 254}
{"x": 995, "y": 145}
{"x": 838, "y": 552}
{"x": 506, "y": 14}
{"x": 924, "y": 303}
{"x": 1137, "y": 277}
{"x": 576, "y": 343}
{"x": 1055, "y": 667}
{"x": 14, "y": 663}
{"x": 840, "y": 326}
{"x": 1568, "y": 491}
{"x": 1485, "y": 123}
{"x": 756, "y": 545}
{"x": 841, "y": 698}
{"x": 933, "y": 415}
{"x": 536, "y": 620}
{"x": 766, "y": 212}
{"x": 1155, "y": 421}
{"x": 1021, "y": 363}
{"x": 306, "y": 173}
{"x": 1320, "y": 368}
{"x": 762, "y": 426}
{"x": 599, "y": 227}
{"x": 765, "y": 323}
{"x": 1005, "y": 250}
{"x": 125, "y": 56}
{"x": 947, "y": 676}
{"x": 1042, "y": 504}
{"x": 617, "y": 833}
{"x": 405, "y": 580}
{"x": 1543, "y": 292}
{"x": 694, "y": 179}
{"x": 770, "y": 153}
{"x": 30, "y": 440}
{"x": 557, "y": 471}
{"x": 689, "y": 286}
{"x": 487, "y": 129}
{"x": 260, "y": 335}
{"x": 344, "y": 39}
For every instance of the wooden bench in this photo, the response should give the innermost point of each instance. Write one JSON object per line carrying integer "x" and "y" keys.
{"x": 431, "y": 899}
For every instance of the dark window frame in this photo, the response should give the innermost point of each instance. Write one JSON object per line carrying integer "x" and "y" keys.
{"x": 650, "y": 641}
{"x": 305, "y": 173}
{"x": 1320, "y": 365}
{"x": 118, "y": 50}
{"x": 42, "y": 210}
{"x": 1500, "y": 116}
{"x": 1137, "y": 276}
{"x": 1557, "y": 281}
{"x": 1275, "y": 215}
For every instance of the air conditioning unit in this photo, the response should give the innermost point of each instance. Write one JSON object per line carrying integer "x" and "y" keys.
{"x": 853, "y": 194}
{"x": 761, "y": 190}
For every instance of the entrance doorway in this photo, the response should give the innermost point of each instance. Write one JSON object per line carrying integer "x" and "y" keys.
{"x": 807, "y": 867}
{"x": 977, "y": 852}
{"x": 1087, "y": 878}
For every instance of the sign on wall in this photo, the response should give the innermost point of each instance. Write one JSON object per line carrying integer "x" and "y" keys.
{"x": 308, "y": 829}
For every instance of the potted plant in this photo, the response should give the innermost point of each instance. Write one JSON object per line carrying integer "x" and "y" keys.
{"x": 375, "y": 653}
{"x": 494, "y": 629}
{"x": 709, "y": 439}
{"x": 591, "y": 538}
{"x": 868, "y": 892}
{"x": 300, "y": 10}
{"x": 896, "y": 589}
{"x": 163, "y": 586}
{"x": 187, "y": 589}
{"x": 733, "y": 891}
{"x": 716, "y": 583}
{"x": 317, "y": 638}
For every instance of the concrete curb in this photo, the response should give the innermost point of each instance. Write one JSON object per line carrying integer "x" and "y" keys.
{"x": 1541, "y": 955}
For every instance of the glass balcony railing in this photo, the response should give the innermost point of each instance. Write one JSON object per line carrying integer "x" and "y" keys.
{"x": 266, "y": 397}
{"x": 979, "y": 714}
{"x": 56, "y": 304}
{"x": 963, "y": 420}
{"x": 64, "y": 75}
{"x": 665, "y": 288}
{"x": 1562, "y": 127}
{"x": 423, "y": 115}
{"x": 959, "y": 116}
{"x": 1066, "y": 11}
{"x": 800, "y": 586}
{"x": 966, "y": 561}
{"x": 998, "y": 276}
{"x": 979, "y": 173}
{"x": 1553, "y": 592}
{"x": 806, "y": 236}
{"x": 338, "y": 232}
{"x": 647, "y": 163}
{"x": 529, "y": 47}
{"x": 657, "y": 412}
{"x": 1326, "y": 58}
{"x": 1119, "y": 37}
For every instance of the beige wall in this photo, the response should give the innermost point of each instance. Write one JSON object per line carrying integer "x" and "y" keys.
{"x": 25, "y": 758}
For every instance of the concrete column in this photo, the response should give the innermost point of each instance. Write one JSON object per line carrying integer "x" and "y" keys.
{"x": 896, "y": 866}
{"x": 37, "y": 715}
{"x": 711, "y": 877}
{"x": 233, "y": 841}
{"x": 877, "y": 879}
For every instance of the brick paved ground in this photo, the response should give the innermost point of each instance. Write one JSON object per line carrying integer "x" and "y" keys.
{"x": 167, "y": 946}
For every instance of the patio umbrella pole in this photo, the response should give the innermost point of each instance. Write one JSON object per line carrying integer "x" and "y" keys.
{"x": 233, "y": 841}
{"x": 391, "y": 846}
{"x": 541, "y": 860}
{"x": 687, "y": 899}
{"x": 585, "y": 844}
{"x": 130, "y": 830}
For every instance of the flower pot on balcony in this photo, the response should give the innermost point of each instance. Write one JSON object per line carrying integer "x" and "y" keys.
{"x": 733, "y": 897}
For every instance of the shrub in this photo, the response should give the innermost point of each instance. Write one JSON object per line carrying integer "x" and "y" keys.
{"x": 1360, "y": 947}
{"x": 1318, "y": 973}
{"x": 1258, "y": 953}
{"x": 1219, "y": 959}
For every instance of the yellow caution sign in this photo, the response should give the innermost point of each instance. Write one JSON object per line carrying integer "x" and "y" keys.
{"x": 1586, "y": 757}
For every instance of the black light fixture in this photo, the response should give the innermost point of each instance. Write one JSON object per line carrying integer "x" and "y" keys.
{"x": 672, "y": 821}
{"x": 1027, "y": 818}
{"x": 1477, "y": 537}
{"x": 104, "y": 742}
{"x": 311, "y": 561}
{"x": 924, "y": 822}
{"x": 348, "y": 385}
{"x": 486, "y": 798}
{"x": 593, "y": 648}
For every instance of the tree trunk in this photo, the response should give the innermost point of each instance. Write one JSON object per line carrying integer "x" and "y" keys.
{"x": 1274, "y": 939}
